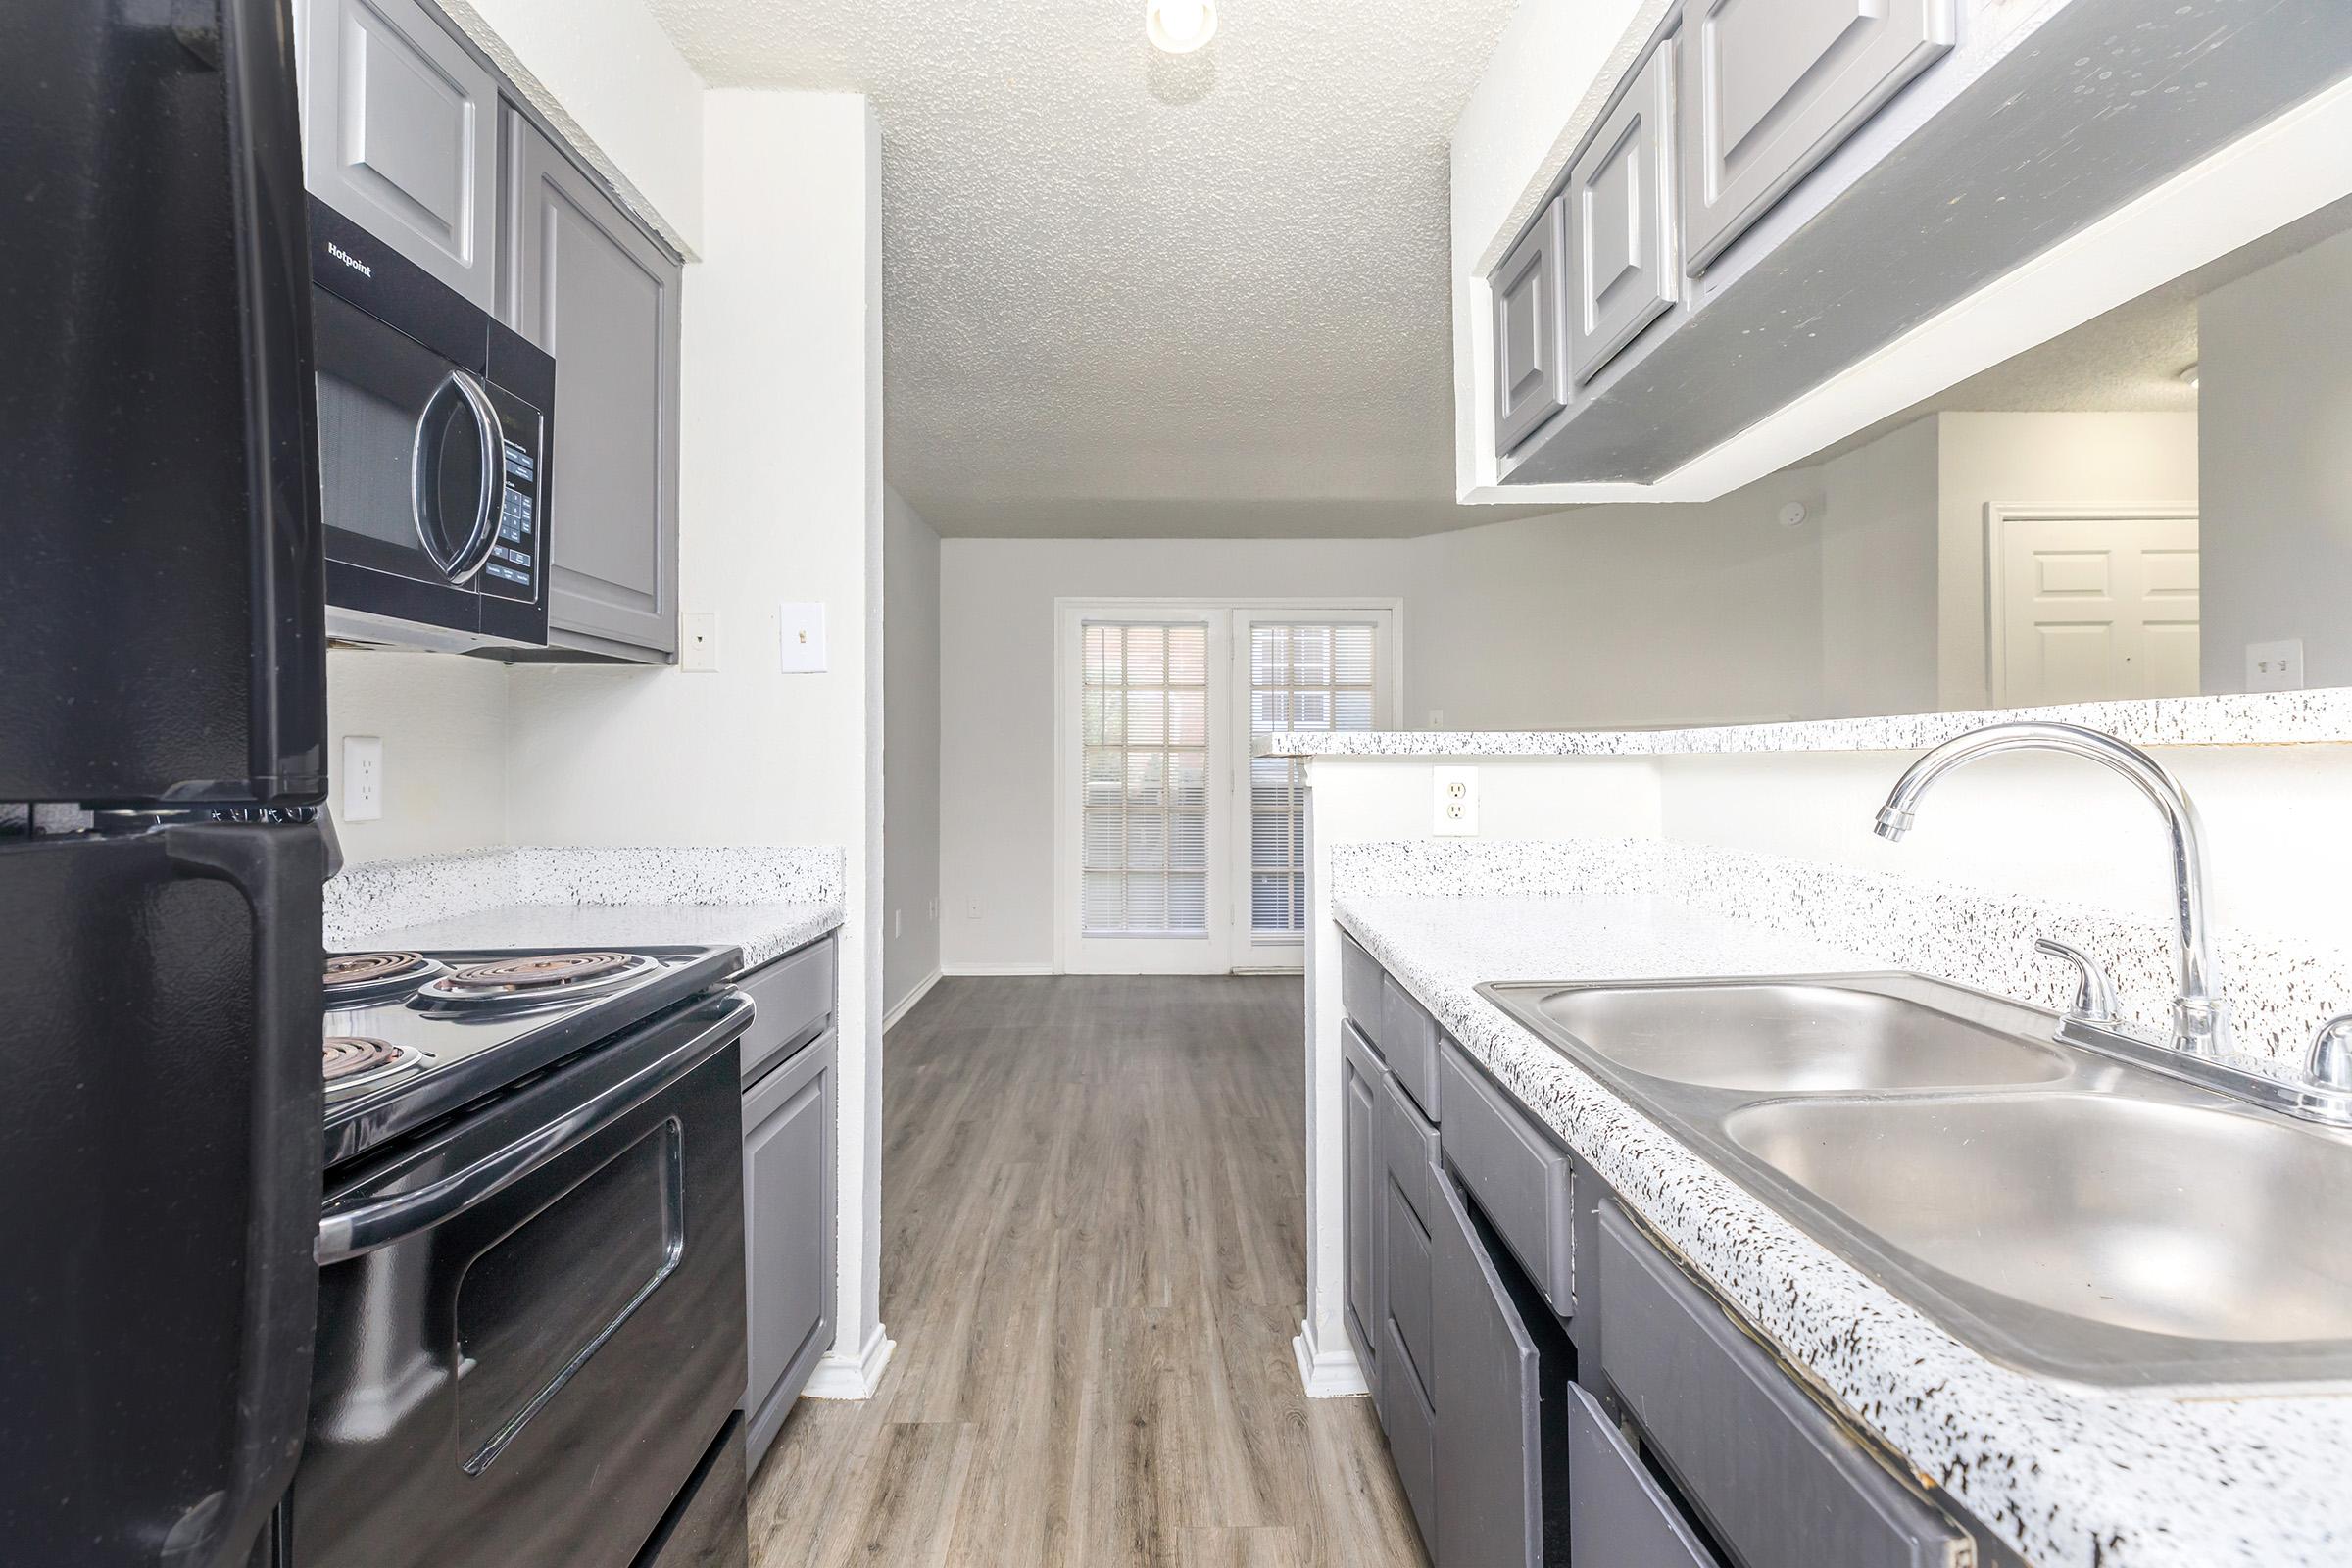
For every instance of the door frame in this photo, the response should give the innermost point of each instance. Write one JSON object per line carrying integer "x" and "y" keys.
{"x": 1997, "y": 518}
{"x": 1228, "y": 703}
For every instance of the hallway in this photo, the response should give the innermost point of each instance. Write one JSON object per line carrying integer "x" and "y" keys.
{"x": 1093, "y": 1265}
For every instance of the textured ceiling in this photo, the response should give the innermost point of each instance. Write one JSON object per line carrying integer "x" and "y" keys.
{"x": 1132, "y": 293}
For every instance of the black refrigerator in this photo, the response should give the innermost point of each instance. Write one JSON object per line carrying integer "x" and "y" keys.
{"x": 162, "y": 742}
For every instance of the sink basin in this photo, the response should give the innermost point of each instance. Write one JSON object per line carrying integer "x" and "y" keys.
{"x": 2144, "y": 1215}
{"x": 1794, "y": 1037}
{"x": 2062, "y": 1210}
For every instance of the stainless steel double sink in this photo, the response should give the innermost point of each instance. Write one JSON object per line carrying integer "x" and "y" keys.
{"x": 2063, "y": 1213}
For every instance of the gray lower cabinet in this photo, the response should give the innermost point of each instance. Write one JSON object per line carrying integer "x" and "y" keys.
{"x": 788, "y": 1230}
{"x": 400, "y": 134}
{"x": 1531, "y": 350}
{"x": 1623, "y": 267}
{"x": 1622, "y": 1518}
{"x": 1362, "y": 1078}
{"x": 1770, "y": 87}
{"x": 589, "y": 286}
{"x": 1503, "y": 1373}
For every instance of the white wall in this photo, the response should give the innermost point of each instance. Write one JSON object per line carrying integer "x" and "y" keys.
{"x": 607, "y": 75}
{"x": 909, "y": 752}
{"x": 780, "y": 498}
{"x": 2275, "y": 396}
{"x": 1629, "y": 614}
{"x": 443, "y": 723}
{"x": 2031, "y": 460}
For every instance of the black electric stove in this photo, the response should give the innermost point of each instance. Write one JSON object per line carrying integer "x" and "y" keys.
{"x": 530, "y": 1348}
{"x": 412, "y": 1036}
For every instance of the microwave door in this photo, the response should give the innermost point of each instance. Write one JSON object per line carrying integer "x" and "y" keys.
{"x": 411, "y": 470}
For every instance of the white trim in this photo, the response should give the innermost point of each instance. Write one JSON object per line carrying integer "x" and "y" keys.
{"x": 905, "y": 1005}
{"x": 1997, "y": 518}
{"x": 852, "y": 1377}
{"x": 956, "y": 970}
{"x": 1333, "y": 1374}
{"x": 2261, "y": 183}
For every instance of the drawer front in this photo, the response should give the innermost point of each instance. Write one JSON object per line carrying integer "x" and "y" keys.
{"x": 1620, "y": 1517}
{"x": 1408, "y": 1150}
{"x": 1363, "y": 1086}
{"x": 1525, "y": 1184}
{"x": 1771, "y": 87}
{"x": 1780, "y": 1480}
{"x": 794, "y": 1000}
{"x": 1408, "y": 1039}
{"x": 1531, "y": 350}
{"x": 1411, "y": 1425}
{"x": 1407, "y": 1286}
{"x": 1623, "y": 271}
{"x": 1359, "y": 988}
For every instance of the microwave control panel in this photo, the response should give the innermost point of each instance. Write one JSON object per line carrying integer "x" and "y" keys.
{"x": 513, "y": 570}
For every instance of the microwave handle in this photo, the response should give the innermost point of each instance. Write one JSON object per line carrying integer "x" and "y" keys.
{"x": 353, "y": 1232}
{"x": 491, "y": 506}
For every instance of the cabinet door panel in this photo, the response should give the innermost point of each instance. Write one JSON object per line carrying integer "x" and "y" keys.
{"x": 1360, "y": 1141}
{"x": 788, "y": 1226}
{"x": 1531, "y": 372}
{"x": 1622, "y": 271}
{"x": 1770, "y": 87}
{"x": 400, "y": 135}
{"x": 1491, "y": 1453}
{"x": 591, "y": 289}
{"x": 1621, "y": 1516}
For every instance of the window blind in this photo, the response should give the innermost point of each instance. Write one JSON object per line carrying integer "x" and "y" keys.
{"x": 1302, "y": 676}
{"x": 1144, "y": 734}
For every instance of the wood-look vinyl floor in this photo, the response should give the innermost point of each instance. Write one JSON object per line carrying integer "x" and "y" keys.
{"x": 1094, "y": 1260}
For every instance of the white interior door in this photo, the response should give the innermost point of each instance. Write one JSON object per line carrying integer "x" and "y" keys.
{"x": 2093, "y": 606}
{"x": 1176, "y": 852}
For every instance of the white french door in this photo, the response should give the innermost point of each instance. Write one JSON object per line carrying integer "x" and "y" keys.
{"x": 1177, "y": 852}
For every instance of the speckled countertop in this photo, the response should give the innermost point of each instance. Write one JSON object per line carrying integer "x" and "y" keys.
{"x": 766, "y": 900}
{"x": 2069, "y": 1475}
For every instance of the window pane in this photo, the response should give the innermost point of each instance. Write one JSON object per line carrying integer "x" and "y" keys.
{"x": 1187, "y": 778}
{"x": 1187, "y": 902}
{"x": 1103, "y": 841}
{"x": 1146, "y": 771}
{"x": 1147, "y": 656}
{"x": 1188, "y": 841}
{"x": 1188, "y": 655}
{"x": 1146, "y": 842}
{"x": 1146, "y": 901}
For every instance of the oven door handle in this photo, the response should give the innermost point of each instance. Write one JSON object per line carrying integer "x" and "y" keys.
{"x": 354, "y": 1232}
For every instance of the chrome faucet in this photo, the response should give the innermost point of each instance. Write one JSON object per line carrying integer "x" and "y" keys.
{"x": 2200, "y": 1015}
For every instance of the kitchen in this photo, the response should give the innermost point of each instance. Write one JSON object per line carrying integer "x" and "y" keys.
{"x": 1259, "y": 938}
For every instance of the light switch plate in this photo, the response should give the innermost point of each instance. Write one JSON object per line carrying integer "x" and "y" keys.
{"x": 1455, "y": 808}
{"x": 2275, "y": 667}
{"x": 362, "y": 778}
{"x": 699, "y": 640}
{"x": 802, "y": 638}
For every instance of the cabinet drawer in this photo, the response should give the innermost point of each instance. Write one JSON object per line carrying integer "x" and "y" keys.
{"x": 1524, "y": 1182}
{"x": 1408, "y": 1150}
{"x": 1410, "y": 1424}
{"x": 1771, "y": 87}
{"x": 795, "y": 998}
{"x": 1407, "y": 1288}
{"x": 1359, "y": 988}
{"x": 1530, "y": 344}
{"x": 1780, "y": 1482}
{"x": 1408, "y": 1039}
{"x": 1620, "y": 1516}
{"x": 1623, "y": 270}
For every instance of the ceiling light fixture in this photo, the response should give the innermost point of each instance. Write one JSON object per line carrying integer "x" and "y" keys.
{"x": 1180, "y": 26}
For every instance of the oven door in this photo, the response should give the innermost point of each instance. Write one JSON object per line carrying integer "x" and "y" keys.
{"x": 531, "y": 1322}
{"x": 412, "y": 470}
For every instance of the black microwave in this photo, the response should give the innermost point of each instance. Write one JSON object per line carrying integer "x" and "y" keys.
{"x": 435, "y": 423}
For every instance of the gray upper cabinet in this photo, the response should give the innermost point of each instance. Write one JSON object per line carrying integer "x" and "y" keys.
{"x": 1622, "y": 268}
{"x": 400, "y": 132}
{"x": 1531, "y": 369}
{"x": 589, "y": 286}
{"x": 1770, "y": 87}
{"x": 788, "y": 1233}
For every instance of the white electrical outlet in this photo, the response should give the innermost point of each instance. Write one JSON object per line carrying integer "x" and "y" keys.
{"x": 802, "y": 638}
{"x": 699, "y": 636}
{"x": 362, "y": 778}
{"x": 971, "y": 909}
{"x": 1437, "y": 718}
{"x": 1456, "y": 801}
{"x": 2275, "y": 667}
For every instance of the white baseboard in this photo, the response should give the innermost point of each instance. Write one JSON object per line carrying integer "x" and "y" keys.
{"x": 995, "y": 968}
{"x": 1328, "y": 1373}
{"x": 907, "y": 1003}
{"x": 852, "y": 1377}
